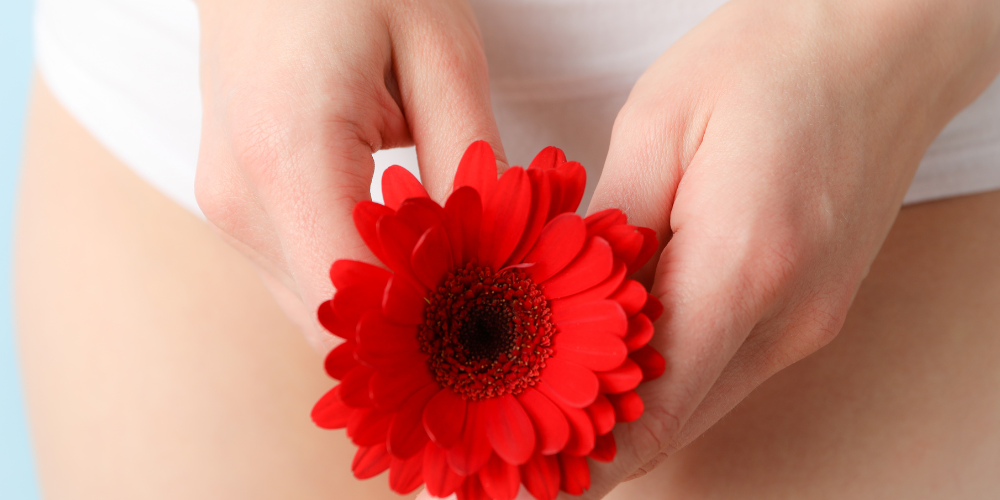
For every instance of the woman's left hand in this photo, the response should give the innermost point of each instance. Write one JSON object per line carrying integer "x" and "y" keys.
{"x": 771, "y": 148}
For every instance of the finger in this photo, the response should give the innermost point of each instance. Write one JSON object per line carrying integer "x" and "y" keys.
{"x": 710, "y": 306}
{"x": 722, "y": 270}
{"x": 772, "y": 346}
{"x": 648, "y": 154}
{"x": 742, "y": 374}
{"x": 300, "y": 315}
{"x": 444, "y": 87}
{"x": 654, "y": 139}
{"x": 286, "y": 178}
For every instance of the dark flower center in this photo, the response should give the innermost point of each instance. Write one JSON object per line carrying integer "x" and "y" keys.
{"x": 486, "y": 334}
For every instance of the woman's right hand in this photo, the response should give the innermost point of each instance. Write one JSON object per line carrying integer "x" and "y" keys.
{"x": 296, "y": 97}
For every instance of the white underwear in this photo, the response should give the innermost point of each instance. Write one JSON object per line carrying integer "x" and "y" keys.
{"x": 560, "y": 70}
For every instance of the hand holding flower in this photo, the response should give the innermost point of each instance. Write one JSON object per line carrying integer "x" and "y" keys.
{"x": 297, "y": 95}
{"x": 504, "y": 341}
{"x": 771, "y": 148}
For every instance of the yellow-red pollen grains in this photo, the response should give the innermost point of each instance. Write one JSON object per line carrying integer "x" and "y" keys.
{"x": 486, "y": 334}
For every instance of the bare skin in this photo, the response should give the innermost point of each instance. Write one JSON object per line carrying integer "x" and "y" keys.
{"x": 158, "y": 366}
{"x": 156, "y": 363}
{"x": 772, "y": 145}
{"x": 902, "y": 404}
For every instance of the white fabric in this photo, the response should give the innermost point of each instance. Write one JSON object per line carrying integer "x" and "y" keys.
{"x": 559, "y": 72}
{"x": 127, "y": 70}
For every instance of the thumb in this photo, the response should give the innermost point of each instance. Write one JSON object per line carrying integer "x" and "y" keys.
{"x": 654, "y": 139}
{"x": 443, "y": 87}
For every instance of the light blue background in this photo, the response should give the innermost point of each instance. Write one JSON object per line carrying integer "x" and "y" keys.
{"x": 17, "y": 471}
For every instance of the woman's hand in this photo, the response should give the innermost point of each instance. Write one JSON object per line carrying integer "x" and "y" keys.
{"x": 771, "y": 147}
{"x": 297, "y": 95}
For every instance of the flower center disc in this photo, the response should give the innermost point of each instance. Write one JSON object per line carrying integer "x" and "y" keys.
{"x": 486, "y": 334}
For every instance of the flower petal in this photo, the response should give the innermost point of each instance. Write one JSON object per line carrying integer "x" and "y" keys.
{"x": 354, "y": 388}
{"x": 477, "y": 169}
{"x": 557, "y": 245}
{"x": 600, "y": 291}
{"x": 407, "y": 436}
{"x": 347, "y": 273}
{"x": 350, "y": 303}
{"x": 573, "y": 180}
{"x": 389, "y": 390}
{"x": 500, "y": 480}
{"x": 548, "y": 159}
{"x": 398, "y": 240}
{"x": 441, "y": 480}
{"x": 405, "y": 475}
{"x": 340, "y": 360}
{"x": 431, "y": 258}
{"x": 594, "y": 350}
{"x": 598, "y": 222}
{"x": 463, "y": 216}
{"x": 573, "y": 384}
{"x": 632, "y": 296}
{"x": 537, "y": 216}
{"x": 653, "y": 308}
{"x": 549, "y": 421}
{"x": 471, "y": 489}
{"x": 368, "y": 426}
{"x": 444, "y": 417}
{"x": 403, "y": 302}
{"x": 649, "y": 246}
{"x": 592, "y": 266}
{"x": 398, "y": 184}
{"x": 504, "y": 217}
{"x": 574, "y": 474}
{"x": 419, "y": 214}
{"x": 366, "y": 215}
{"x": 599, "y": 316}
{"x": 370, "y": 461}
{"x": 509, "y": 430}
{"x": 330, "y": 411}
{"x": 628, "y": 406}
{"x": 626, "y": 242}
{"x": 541, "y": 476}
{"x": 650, "y": 361}
{"x": 386, "y": 345}
{"x": 604, "y": 448}
{"x": 602, "y": 414}
{"x": 624, "y": 378}
{"x": 581, "y": 429}
{"x": 640, "y": 332}
{"x": 473, "y": 449}
{"x": 333, "y": 324}
{"x": 556, "y": 193}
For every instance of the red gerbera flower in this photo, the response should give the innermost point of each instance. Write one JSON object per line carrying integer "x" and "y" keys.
{"x": 503, "y": 343}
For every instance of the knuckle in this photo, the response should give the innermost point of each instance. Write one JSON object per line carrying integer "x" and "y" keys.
{"x": 647, "y": 467}
{"x": 777, "y": 258}
{"x": 218, "y": 195}
{"x": 654, "y": 432}
{"x": 649, "y": 440}
{"x": 259, "y": 142}
{"x": 210, "y": 198}
{"x": 780, "y": 262}
{"x": 825, "y": 313}
{"x": 818, "y": 321}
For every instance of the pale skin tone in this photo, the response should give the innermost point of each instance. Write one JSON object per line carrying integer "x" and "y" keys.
{"x": 774, "y": 142}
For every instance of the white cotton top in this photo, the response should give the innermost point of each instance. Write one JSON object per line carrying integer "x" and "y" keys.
{"x": 560, "y": 70}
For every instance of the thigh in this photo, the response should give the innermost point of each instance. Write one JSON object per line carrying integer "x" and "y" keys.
{"x": 156, "y": 364}
{"x": 904, "y": 403}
